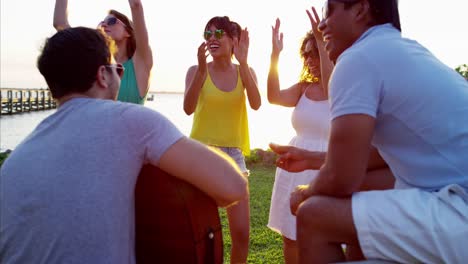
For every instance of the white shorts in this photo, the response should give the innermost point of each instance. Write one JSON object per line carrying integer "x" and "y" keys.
{"x": 412, "y": 225}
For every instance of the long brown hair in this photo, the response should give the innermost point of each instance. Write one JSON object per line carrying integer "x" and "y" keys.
{"x": 131, "y": 42}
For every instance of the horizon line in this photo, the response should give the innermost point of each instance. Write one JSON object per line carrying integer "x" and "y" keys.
{"x": 41, "y": 88}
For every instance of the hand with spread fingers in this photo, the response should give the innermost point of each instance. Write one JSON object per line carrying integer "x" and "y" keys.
{"x": 241, "y": 46}
{"x": 276, "y": 39}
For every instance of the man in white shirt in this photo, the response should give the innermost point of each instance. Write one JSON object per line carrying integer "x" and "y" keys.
{"x": 390, "y": 92}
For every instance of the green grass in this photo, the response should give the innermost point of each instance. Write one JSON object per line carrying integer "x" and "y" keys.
{"x": 265, "y": 245}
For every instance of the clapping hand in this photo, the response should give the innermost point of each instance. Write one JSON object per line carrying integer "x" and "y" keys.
{"x": 241, "y": 46}
{"x": 202, "y": 55}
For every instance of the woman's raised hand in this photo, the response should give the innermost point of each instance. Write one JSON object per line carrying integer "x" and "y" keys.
{"x": 241, "y": 46}
{"x": 276, "y": 38}
{"x": 314, "y": 22}
{"x": 202, "y": 55}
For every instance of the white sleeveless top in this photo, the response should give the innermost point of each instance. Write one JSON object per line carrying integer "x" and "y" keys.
{"x": 311, "y": 120}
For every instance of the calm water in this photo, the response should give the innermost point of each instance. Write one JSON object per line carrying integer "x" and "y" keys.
{"x": 269, "y": 124}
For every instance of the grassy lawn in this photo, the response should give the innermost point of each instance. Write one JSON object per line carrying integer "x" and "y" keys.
{"x": 265, "y": 245}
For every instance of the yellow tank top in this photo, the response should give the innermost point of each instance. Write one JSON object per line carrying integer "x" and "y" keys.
{"x": 221, "y": 117}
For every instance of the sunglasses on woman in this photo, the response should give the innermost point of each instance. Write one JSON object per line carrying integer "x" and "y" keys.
{"x": 119, "y": 68}
{"x": 218, "y": 33}
{"x": 110, "y": 21}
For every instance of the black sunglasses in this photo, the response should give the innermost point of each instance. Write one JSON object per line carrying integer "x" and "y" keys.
{"x": 110, "y": 21}
{"x": 218, "y": 33}
{"x": 328, "y": 9}
{"x": 119, "y": 68}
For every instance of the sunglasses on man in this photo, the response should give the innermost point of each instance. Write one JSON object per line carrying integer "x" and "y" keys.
{"x": 119, "y": 68}
{"x": 218, "y": 33}
{"x": 328, "y": 8}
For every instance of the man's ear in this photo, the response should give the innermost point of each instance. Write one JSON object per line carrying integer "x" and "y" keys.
{"x": 101, "y": 77}
{"x": 363, "y": 12}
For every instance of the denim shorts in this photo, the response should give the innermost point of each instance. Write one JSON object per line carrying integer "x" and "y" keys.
{"x": 236, "y": 155}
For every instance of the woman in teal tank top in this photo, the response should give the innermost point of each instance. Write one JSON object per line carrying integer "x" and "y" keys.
{"x": 133, "y": 50}
{"x": 216, "y": 91}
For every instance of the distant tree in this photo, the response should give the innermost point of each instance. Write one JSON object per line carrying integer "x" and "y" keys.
{"x": 463, "y": 70}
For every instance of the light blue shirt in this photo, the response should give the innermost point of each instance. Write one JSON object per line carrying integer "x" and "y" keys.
{"x": 420, "y": 106}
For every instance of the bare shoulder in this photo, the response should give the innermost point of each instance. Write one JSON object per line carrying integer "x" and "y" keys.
{"x": 302, "y": 86}
{"x": 191, "y": 70}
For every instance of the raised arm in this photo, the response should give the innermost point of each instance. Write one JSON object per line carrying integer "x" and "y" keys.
{"x": 249, "y": 79}
{"x": 143, "y": 57}
{"x": 287, "y": 97}
{"x": 194, "y": 80}
{"x": 326, "y": 65}
{"x": 61, "y": 15}
{"x": 206, "y": 169}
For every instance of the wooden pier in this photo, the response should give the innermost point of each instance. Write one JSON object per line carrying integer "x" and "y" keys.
{"x": 16, "y": 101}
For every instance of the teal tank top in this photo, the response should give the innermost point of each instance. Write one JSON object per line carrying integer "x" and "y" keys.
{"x": 128, "y": 91}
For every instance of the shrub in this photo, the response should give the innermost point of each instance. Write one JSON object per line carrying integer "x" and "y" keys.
{"x": 3, "y": 156}
{"x": 463, "y": 70}
{"x": 260, "y": 156}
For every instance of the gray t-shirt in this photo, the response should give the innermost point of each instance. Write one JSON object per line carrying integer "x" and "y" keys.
{"x": 419, "y": 104}
{"x": 67, "y": 191}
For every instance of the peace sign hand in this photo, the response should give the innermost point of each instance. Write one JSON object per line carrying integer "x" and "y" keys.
{"x": 314, "y": 22}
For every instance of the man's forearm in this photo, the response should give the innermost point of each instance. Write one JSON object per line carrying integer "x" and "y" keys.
{"x": 315, "y": 159}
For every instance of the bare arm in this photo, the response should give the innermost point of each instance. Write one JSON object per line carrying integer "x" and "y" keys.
{"x": 194, "y": 80}
{"x": 326, "y": 65}
{"x": 143, "y": 57}
{"x": 290, "y": 96}
{"x": 207, "y": 170}
{"x": 249, "y": 79}
{"x": 347, "y": 158}
{"x": 61, "y": 15}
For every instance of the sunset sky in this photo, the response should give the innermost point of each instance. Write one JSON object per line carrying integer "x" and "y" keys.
{"x": 175, "y": 31}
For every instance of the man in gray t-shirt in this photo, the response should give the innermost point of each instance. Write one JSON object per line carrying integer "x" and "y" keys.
{"x": 67, "y": 191}
{"x": 392, "y": 93}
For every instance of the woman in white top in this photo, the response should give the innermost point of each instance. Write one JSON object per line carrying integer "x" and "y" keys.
{"x": 310, "y": 119}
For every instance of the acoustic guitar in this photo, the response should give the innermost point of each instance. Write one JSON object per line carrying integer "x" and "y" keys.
{"x": 175, "y": 222}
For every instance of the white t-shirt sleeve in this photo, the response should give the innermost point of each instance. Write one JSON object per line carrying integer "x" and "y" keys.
{"x": 355, "y": 87}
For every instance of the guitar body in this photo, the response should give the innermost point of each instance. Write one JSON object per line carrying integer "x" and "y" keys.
{"x": 175, "y": 222}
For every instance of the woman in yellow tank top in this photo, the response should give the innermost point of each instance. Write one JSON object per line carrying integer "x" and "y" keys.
{"x": 216, "y": 91}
